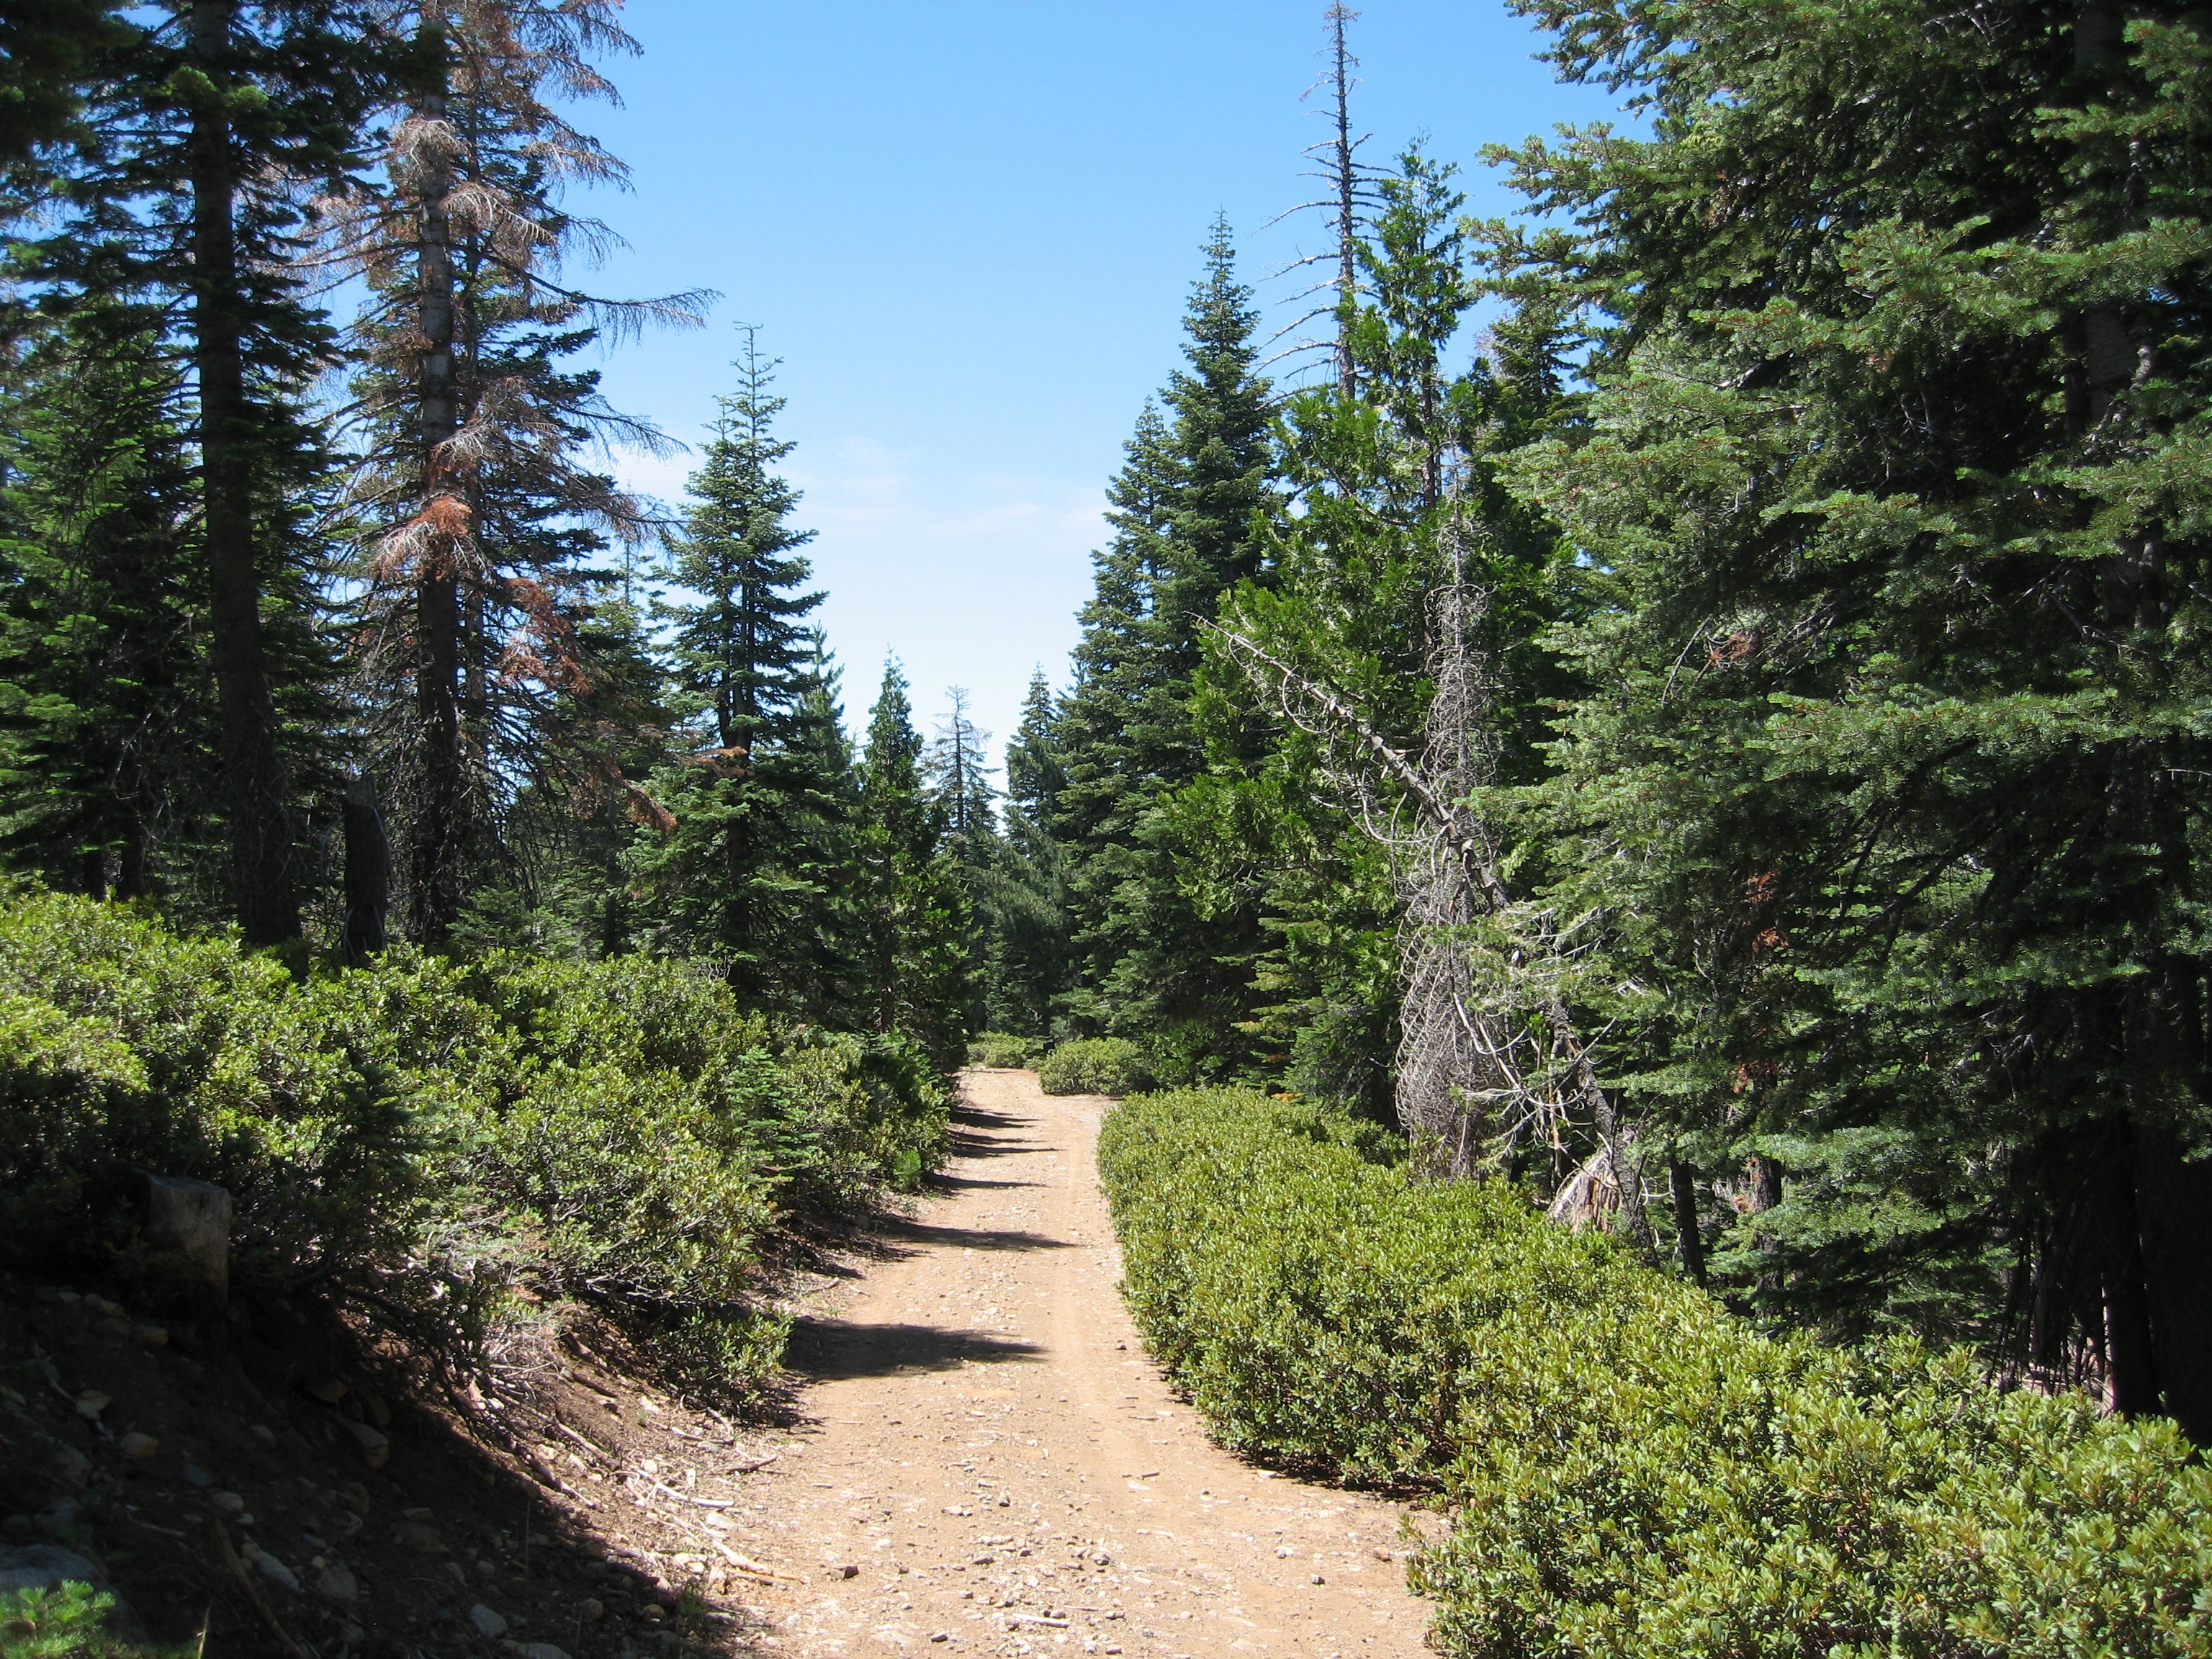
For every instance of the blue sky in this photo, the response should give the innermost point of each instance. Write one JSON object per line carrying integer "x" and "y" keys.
{"x": 968, "y": 229}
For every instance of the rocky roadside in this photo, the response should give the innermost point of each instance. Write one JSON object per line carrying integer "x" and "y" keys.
{"x": 248, "y": 1481}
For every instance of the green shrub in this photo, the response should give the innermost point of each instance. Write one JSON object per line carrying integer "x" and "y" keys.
{"x": 415, "y": 1136}
{"x": 1630, "y": 1470}
{"x": 1004, "y": 1048}
{"x": 69, "y": 1623}
{"x": 1094, "y": 1066}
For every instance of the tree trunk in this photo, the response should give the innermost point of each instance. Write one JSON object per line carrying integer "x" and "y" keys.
{"x": 367, "y": 873}
{"x": 253, "y": 772}
{"x": 439, "y": 829}
{"x": 2130, "y": 1356}
{"x": 1347, "y": 208}
{"x": 1692, "y": 1241}
{"x": 2173, "y": 1220}
{"x": 1762, "y": 1191}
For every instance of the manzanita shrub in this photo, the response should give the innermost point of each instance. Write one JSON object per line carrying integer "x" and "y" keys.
{"x": 1629, "y": 1469}
{"x": 416, "y": 1138}
{"x": 1000, "y": 1048}
{"x": 1094, "y": 1066}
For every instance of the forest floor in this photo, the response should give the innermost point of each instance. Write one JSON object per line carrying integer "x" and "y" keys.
{"x": 994, "y": 1465}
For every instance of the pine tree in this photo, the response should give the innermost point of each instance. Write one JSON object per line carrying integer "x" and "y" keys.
{"x": 1893, "y": 489}
{"x": 958, "y": 781}
{"x": 207, "y": 130}
{"x": 1184, "y": 510}
{"x": 1023, "y": 901}
{"x": 1095, "y": 815}
{"x": 50, "y": 51}
{"x": 748, "y": 873}
{"x": 1350, "y": 599}
{"x": 909, "y": 896}
{"x": 108, "y": 724}
{"x": 477, "y": 428}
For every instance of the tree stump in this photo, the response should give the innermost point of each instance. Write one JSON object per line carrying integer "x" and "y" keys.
{"x": 188, "y": 1222}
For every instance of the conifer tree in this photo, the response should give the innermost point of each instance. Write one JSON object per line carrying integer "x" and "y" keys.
{"x": 910, "y": 897}
{"x": 51, "y": 52}
{"x": 206, "y": 129}
{"x": 107, "y": 723}
{"x": 475, "y": 432}
{"x": 1895, "y": 487}
{"x": 748, "y": 873}
{"x": 1023, "y": 897}
{"x": 1184, "y": 510}
{"x": 959, "y": 782}
{"x": 1349, "y": 599}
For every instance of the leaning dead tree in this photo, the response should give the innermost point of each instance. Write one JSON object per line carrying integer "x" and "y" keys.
{"x": 1489, "y": 1058}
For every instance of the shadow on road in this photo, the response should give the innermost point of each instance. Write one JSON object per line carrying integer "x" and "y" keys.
{"x": 977, "y": 1117}
{"x": 953, "y": 1182}
{"x": 970, "y": 1238}
{"x": 830, "y": 1350}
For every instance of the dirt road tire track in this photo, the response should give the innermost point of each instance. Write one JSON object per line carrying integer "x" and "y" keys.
{"x": 1007, "y": 1472}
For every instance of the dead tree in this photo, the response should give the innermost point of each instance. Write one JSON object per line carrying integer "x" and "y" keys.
{"x": 1490, "y": 1058}
{"x": 1452, "y": 1076}
{"x": 1349, "y": 205}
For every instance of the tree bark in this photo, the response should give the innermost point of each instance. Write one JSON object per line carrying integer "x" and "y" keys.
{"x": 2173, "y": 1220}
{"x": 253, "y": 770}
{"x": 1683, "y": 1179}
{"x": 367, "y": 873}
{"x": 2131, "y": 1353}
{"x": 1763, "y": 1191}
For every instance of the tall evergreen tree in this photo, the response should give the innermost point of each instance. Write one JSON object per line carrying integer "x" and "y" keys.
{"x": 108, "y": 725}
{"x": 1023, "y": 897}
{"x": 485, "y": 514}
{"x": 1185, "y": 507}
{"x": 748, "y": 871}
{"x": 51, "y": 52}
{"x": 1888, "y": 788}
{"x": 208, "y": 127}
{"x": 960, "y": 782}
{"x": 1353, "y": 598}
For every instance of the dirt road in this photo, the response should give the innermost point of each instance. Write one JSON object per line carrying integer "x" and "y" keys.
{"x": 997, "y": 1469}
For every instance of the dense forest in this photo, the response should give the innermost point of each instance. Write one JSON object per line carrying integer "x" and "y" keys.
{"x": 323, "y": 617}
{"x": 1693, "y": 712}
{"x": 1670, "y": 712}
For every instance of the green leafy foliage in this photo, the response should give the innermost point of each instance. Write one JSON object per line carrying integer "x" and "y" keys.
{"x": 69, "y": 1623}
{"x": 414, "y": 1139}
{"x": 1094, "y": 1066}
{"x": 1004, "y": 1048}
{"x": 1630, "y": 1470}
